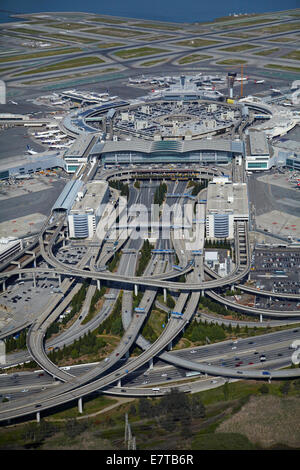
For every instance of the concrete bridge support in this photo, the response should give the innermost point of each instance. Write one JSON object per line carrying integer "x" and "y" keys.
{"x": 135, "y": 289}
{"x": 260, "y": 318}
{"x": 170, "y": 345}
{"x": 98, "y": 284}
{"x": 150, "y": 363}
{"x": 80, "y": 408}
{"x": 165, "y": 295}
{"x": 119, "y": 383}
{"x": 38, "y": 417}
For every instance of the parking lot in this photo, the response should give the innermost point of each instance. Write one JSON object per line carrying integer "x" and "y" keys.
{"x": 22, "y": 301}
{"x": 69, "y": 254}
{"x": 276, "y": 269}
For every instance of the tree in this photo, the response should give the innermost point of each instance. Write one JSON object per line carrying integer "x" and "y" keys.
{"x": 226, "y": 391}
{"x": 285, "y": 387}
{"x": 264, "y": 389}
{"x": 145, "y": 408}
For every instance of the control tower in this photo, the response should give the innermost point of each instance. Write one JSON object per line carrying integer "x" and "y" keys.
{"x": 231, "y": 76}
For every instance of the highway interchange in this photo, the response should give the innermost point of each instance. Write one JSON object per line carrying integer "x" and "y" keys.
{"x": 219, "y": 359}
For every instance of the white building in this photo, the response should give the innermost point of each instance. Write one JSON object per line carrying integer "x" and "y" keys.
{"x": 257, "y": 152}
{"x": 84, "y": 216}
{"x": 227, "y": 202}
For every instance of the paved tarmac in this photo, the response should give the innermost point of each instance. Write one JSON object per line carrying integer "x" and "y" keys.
{"x": 38, "y": 202}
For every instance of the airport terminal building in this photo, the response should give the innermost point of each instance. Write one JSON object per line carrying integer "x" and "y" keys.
{"x": 167, "y": 151}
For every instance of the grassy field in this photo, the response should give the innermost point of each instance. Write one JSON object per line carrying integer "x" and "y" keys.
{"x": 67, "y": 26}
{"x": 66, "y": 64}
{"x": 108, "y": 20}
{"x": 283, "y": 67}
{"x": 122, "y": 33}
{"x": 279, "y": 28}
{"x": 267, "y": 420}
{"x": 198, "y": 42}
{"x": 89, "y": 407}
{"x": 70, "y": 76}
{"x": 240, "y": 48}
{"x": 267, "y": 52}
{"x": 238, "y": 23}
{"x": 42, "y": 34}
{"x": 239, "y": 34}
{"x": 152, "y": 62}
{"x": 106, "y": 45}
{"x": 282, "y": 39}
{"x": 232, "y": 62}
{"x": 139, "y": 52}
{"x": 294, "y": 55}
{"x": 164, "y": 26}
{"x": 193, "y": 58}
{"x": 36, "y": 55}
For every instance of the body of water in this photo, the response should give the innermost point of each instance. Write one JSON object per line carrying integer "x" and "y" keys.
{"x": 180, "y": 11}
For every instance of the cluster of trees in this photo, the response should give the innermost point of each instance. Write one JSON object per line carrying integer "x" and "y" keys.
{"x": 222, "y": 244}
{"x": 16, "y": 342}
{"x": 197, "y": 186}
{"x": 137, "y": 184}
{"x": 160, "y": 193}
{"x": 144, "y": 257}
{"x": 87, "y": 344}
{"x": 198, "y": 331}
{"x": 76, "y": 303}
{"x": 137, "y": 299}
{"x": 174, "y": 409}
{"x": 230, "y": 292}
{"x": 123, "y": 187}
{"x": 97, "y": 295}
{"x": 214, "y": 307}
{"x": 53, "y": 328}
{"x": 116, "y": 258}
{"x": 34, "y": 434}
{"x": 113, "y": 324}
{"x": 170, "y": 301}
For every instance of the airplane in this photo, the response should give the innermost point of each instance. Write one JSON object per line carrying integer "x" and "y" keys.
{"x": 13, "y": 102}
{"x": 57, "y": 146}
{"x": 275, "y": 90}
{"x": 287, "y": 104}
{"x": 30, "y": 151}
{"x": 240, "y": 79}
{"x": 258, "y": 81}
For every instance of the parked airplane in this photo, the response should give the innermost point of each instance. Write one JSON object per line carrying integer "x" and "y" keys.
{"x": 30, "y": 151}
{"x": 240, "y": 79}
{"x": 258, "y": 81}
{"x": 57, "y": 146}
{"x": 275, "y": 90}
